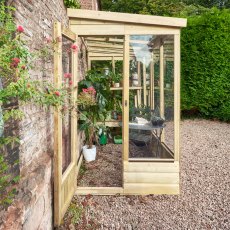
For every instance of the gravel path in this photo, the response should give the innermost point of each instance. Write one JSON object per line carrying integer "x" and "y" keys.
{"x": 204, "y": 202}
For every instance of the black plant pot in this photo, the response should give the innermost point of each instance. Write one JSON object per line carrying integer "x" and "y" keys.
{"x": 157, "y": 122}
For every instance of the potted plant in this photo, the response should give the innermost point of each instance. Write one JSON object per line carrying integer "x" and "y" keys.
{"x": 156, "y": 119}
{"x": 135, "y": 79}
{"x": 88, "y": 122}
{"x": 116, "y": 79}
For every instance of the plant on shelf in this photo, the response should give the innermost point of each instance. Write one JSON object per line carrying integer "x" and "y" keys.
{"x": 116, "y": 79}
{"x": 104, "y": 97}
{"x": 87, "y": 107}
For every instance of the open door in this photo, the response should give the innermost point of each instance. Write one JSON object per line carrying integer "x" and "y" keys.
{"x": 66, "y": 153}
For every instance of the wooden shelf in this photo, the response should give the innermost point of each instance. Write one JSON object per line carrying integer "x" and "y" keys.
{"x": 138, "y": 87}
{"x": 112, "y": 123}
{"x": 131, "y": 87}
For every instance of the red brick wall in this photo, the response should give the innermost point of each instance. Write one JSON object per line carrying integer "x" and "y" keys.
{"x": 89, "y": 4}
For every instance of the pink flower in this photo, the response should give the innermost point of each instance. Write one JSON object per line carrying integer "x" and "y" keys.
{"x": 48, "y": 39}
{"x": 20, "y": 29}
{"x": 85, "y": 90}
{"x": 92, "y": 90}
{"x": 74, "y": 48}
{"x": 67, "y": 75}
{"x": 70, "y": 82}
{"x": 57, "y": 93}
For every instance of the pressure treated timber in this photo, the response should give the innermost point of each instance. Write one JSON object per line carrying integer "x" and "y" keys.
{"x": 162, "y": 100}
{"x": 126, "y": 18}
{"x": 154, "y": 167}
{"x": 64, "y": 187}
{"x": 58, "y": 126}
{"x": 96, "y": 58}
{"x": 130, "y": 189}
{"x": 68, "y": 33}
{"x": 99, "y": 190}
{"x": 151, "y": 178}
{"x": 177, "y": 96}
{"x": 145, "y": 159}
{"x": 146, "y": 189}
{"x": 98, "y": 29}
{"x": 125, "y": 100}
{"x": 144, "y": 82}
{"x": 114, "y": 123}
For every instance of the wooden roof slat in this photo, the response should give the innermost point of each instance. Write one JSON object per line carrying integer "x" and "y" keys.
{"x": 126, "y": 18}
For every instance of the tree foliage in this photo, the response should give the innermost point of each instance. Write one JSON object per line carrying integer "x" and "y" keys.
{"x": 162, "y": 7}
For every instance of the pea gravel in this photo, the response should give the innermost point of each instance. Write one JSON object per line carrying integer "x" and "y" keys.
{"x": 204, "y": 201}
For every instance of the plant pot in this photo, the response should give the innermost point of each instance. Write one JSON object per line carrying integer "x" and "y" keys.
{"x": 157, "y": 122}
{"x": 89, "y": 154}
{"x": 119, "y": 117}
{"x": 116, "y": 84}
{"x": 135, "y": 82}
{"x": 168, "y": 85}
{"x": 135, "y": 79}
{"x": 114, "y": 115}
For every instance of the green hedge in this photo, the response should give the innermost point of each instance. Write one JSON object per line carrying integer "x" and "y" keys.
{"x": 206, "y": 65}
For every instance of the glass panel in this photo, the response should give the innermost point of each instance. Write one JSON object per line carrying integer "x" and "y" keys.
{"x": 151, "y": 99}
{"x": 169, "y": 92}
{"x": 106, "y": 76}
{"x": 66, "y": 119}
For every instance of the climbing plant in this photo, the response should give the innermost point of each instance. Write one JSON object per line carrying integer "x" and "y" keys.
{"x": 17, "y": 87}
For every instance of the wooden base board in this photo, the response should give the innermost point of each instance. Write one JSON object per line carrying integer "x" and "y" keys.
{"x": 131, "y": 189}
{"x": 99, "y": 190}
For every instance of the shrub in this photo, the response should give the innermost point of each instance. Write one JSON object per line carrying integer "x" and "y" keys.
{"x": 72, "y": 4}
{"x": 206, "y": 66}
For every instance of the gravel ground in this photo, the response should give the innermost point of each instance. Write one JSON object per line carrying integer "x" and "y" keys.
{"x": 204, "y": 202}
{"x": 106, "y": 170}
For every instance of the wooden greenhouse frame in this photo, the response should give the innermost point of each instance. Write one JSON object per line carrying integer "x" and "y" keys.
{"x": 106, "y": 36}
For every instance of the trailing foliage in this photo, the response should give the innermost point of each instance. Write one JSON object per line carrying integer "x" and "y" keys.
{"x": 16, "y": 86}
{"x": 206, "y": 65}
{"x": 72, "y": 4}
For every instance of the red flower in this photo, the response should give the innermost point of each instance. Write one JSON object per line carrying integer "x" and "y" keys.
{"x": 57, "y": 93}
{"x": 70, "y": 82}
{"x": 23, "y": 67}
{"x": 20, "y": 29}
{"x": 74, "y": 48}
{"x": 15, "y": 62}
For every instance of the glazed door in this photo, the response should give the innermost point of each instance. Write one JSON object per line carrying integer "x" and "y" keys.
{"x": 65, "y": 121}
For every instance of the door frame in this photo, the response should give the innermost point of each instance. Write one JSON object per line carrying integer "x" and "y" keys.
{"x": 64, "y": 183}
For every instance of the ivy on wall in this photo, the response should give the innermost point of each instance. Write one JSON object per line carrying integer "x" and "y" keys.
{"x": 206, "y": 65}
{"x": 72, "y": 4}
